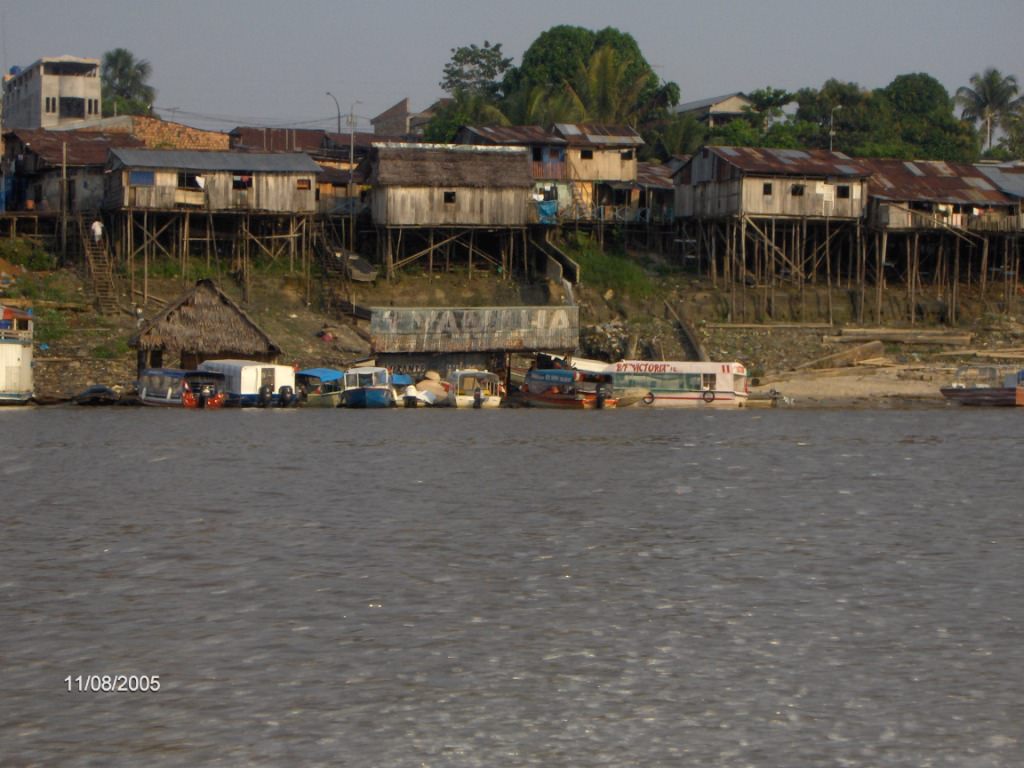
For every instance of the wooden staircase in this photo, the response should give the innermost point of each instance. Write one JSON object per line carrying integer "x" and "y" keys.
{"x": 101, "y": 271}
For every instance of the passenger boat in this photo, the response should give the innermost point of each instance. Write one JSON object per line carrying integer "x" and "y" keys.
{"x": 15, "y": 356}
{"x": 320, "y": 387}
{"x": 368, "y": 387}
{"x": 567, "y": 388}
{"x": 410, "y": 395}
{"x": 204, "y": 389}
{"x": 161, "y": 386}
{"x": 985, "y": 385}
{"x": 680, "y": 384}
{"x": 249, "y": 383}
{"x": 474, "y": 389}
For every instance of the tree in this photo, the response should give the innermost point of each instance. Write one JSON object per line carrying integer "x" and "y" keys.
{"x": 604, "y": 91}
{"x": 466, "y": 108}
{"x": 123, "y": 77}
{"x": 572, "y": 56}
{"x": 990, "y": 98}
{"x": 476, "y": 70}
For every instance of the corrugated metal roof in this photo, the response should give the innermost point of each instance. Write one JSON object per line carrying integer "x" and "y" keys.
{"x": 692, "y": 106}
{"x": 450, "y": 165}
{"x": 1008, "y": 177}
{"x": 84, "y": 147}
{"x": 277, "y": 139}
{"x": 654, "y": 175}
{"x": 790, "y": 162}
{"x": 592, "y": 134}
{"x": 513, "y": 134}
{"x": 932, "y": 181}
{"x": 259, "y": 162}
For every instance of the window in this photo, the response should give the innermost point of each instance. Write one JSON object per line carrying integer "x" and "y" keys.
{"x": 538, "y": 154}
{"x": 141, "y": 178}
{"x": 798, "y": 190}
{"x": 627, "y": 155}
{"x": 586, "y": 154}
{"x": 188, "y": 180}
{"x": 766, "y": 190}
{"x": 303, "y": 184}
{"x": 843, "y": 191}
{"x": 241, "y": 181}
{"x": 449, "y": 197}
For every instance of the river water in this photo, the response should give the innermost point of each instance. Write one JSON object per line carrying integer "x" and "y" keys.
{"x": 513, "y": 588}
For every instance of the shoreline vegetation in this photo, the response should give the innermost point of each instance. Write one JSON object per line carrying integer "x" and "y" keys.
{"x": 803, "y": 364}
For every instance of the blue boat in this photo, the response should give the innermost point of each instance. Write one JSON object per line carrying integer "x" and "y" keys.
{"x": 368, "y": 387}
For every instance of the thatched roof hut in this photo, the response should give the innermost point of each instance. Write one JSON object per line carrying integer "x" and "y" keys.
{"x": 204, "y": 324}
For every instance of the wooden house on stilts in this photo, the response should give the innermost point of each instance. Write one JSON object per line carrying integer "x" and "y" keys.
{"x": 761, "y": 218}
{"x": 203, "y": 324}
{"x": 446, "y": 204}
{"x": 214, "y": 205}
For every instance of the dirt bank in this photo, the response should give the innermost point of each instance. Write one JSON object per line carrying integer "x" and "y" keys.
{"x": 77, "y": 348}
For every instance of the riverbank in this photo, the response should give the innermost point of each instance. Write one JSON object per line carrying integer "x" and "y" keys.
{"x": 77, "y": 348}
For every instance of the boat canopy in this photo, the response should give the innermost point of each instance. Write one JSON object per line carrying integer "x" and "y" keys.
{"x": 324, "y": 374}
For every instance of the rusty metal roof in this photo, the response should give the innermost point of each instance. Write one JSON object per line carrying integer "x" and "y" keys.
{"x": 654, "y": 175}
{"x": 790, "y": 162}
{"x": 933, "y": 181}
{"x": 510, "y": 134}
{"x": 449, "y": 165}
{"x": 594, "y": 135}
{"x": 277, "y": 139}
{"x": 83, "y": 147}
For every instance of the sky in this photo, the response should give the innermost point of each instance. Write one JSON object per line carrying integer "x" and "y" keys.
{"x": 218, "y": 64}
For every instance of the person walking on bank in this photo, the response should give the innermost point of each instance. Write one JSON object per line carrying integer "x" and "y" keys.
{"x": 97, "y": 231}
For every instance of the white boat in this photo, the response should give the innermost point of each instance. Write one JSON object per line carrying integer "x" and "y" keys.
{"x": 474, "y": 389}
{"x": 679, "y": 384}
{"x": 251, "y": 383}
{"x": 15, "y": 356}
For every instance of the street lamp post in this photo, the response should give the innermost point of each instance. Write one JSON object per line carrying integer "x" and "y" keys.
{"x": 338, "y": 108}
{"x": 831, "y": 124}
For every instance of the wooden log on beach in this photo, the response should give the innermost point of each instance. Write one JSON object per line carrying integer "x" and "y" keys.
{"x": 903, "y": 336}
{"x": 847, "y": 357}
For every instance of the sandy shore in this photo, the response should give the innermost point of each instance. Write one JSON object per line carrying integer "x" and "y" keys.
{"x": 861, "y": 386}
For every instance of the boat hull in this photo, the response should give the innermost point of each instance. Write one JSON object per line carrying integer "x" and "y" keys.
{"x": 368, "y": 397}
{"x": 572, "y": 402}
{"x": 990, "y": 396}
{"x": 706, "y": 399}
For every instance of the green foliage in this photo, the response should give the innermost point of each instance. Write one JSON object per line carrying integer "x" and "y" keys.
{"x": 604, "y": 269}
{"x": 476, "y": 70}
{"x": 111, "y": 350}
{"x": 467, "y": 108}
{"x": 990, "y": 100}
{"x": 26, "y": 254}
{"x": 50, "y": 326}
{"x": 125, "y": 90}
{"x": 46, "y": 287}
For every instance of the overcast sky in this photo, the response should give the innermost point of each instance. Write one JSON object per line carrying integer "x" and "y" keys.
{"x": 221, "y": 63}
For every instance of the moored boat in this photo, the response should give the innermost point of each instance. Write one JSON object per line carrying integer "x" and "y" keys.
{"x": 985, "y": 385}
{"x": 161, "y": 386}
{"x": 204, "y": 390}
{"x": 680, "y": 384}
{"x": 567, "y": 388}
{"x": 474, "y": 389}
{"x": 368, "y": 387}
{"x": 15, "y": 356}
{"x": 319, "y": 387}
{"x": 250, "y": 383}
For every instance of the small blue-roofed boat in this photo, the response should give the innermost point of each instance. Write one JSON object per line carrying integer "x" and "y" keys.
{"x": 320, "y": 387}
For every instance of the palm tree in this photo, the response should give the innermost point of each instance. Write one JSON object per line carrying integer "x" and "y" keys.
{"x": 125, "y": 90}
{"x": 989, "y": 100}
{"x": 603, "y": 90}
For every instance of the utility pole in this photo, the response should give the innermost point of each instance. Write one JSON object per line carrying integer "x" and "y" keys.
{"x": 351, "y": 170}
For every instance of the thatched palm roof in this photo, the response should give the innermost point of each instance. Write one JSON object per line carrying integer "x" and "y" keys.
{"x": 205, "y": 320}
